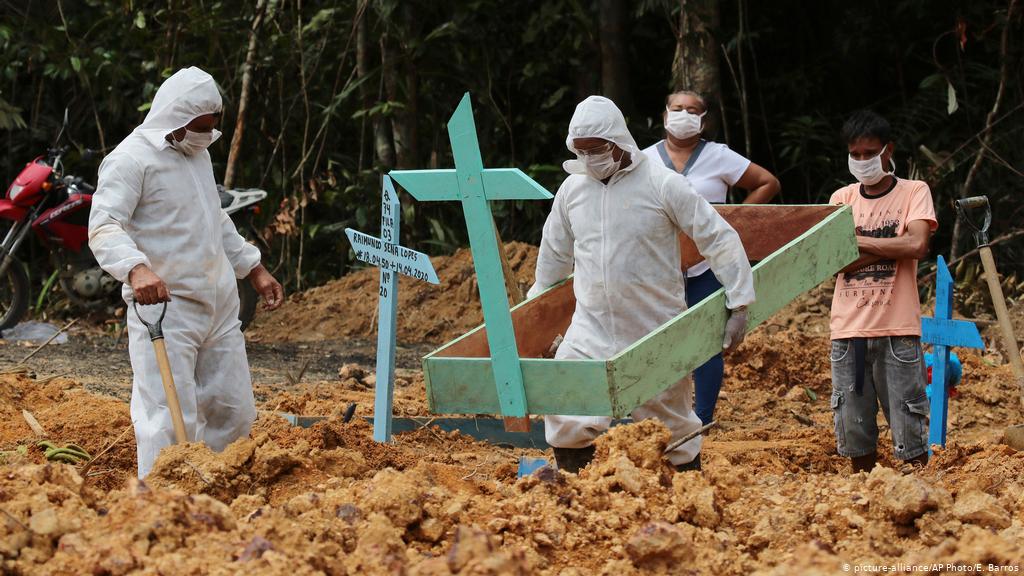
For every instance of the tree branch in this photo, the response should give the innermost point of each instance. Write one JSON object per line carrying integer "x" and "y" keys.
{"x": 986, "y": 139}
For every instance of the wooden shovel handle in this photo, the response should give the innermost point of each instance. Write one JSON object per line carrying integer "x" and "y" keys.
{"x": 170, "y": 391}
{"x": 1003, "y": 316}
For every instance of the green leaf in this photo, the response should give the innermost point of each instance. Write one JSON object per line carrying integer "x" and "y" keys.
{"x": 145, "y": 107}
{"x": 321, "y": 19}
{"x": 951, "y": 103}
{"x": 442, "y": 30}
{"x": 140, "y": 20}
{"x": 438, "y": 230}
{"x": 811, "y": 394}
{"x": 554, "y": 98}
{"x": 931, "y": 80}
{"x": 76, "y": 64}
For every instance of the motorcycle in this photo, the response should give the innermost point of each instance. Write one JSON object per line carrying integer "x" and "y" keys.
{"x": 55, "y": 206}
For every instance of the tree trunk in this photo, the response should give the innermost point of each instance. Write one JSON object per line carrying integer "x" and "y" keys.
{"x": 695, "y": 66}
{"x": 401, "y": 85}
{"x": 243, "y": 99}
{"x": 613, "y": 16}
{"x": 405, "y": 121}
{"x": 381, "y": 133}
{"x": 362, "y": 70}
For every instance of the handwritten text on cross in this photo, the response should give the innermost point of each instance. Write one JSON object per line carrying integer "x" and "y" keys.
{"x": 392, "y": 259}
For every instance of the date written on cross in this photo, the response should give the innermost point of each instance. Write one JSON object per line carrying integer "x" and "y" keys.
{"x": 392, "y": 257}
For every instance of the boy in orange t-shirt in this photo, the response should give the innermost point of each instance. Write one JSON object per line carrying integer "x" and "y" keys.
{"x": 876, "y": 316}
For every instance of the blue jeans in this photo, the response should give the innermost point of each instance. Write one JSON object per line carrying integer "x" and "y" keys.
{"x": 708, "y": 377}
{"x": 894, "y": 380}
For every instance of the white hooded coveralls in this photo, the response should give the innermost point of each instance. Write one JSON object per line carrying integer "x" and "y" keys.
{"x": 621, "y": 239}
{"x": 156, "y": 206}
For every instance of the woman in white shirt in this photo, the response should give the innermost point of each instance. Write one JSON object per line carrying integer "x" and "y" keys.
{"x": 711, "y": 168}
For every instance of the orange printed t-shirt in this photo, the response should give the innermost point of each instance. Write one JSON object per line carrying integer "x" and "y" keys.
{"x": 881, "y": 299}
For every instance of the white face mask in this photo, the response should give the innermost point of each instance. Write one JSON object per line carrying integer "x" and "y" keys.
{"x": 600, "y": 166}
{"x": 870, "y": 172}
{"x": 683, "y": 124}
{"x": 194, "y": 142}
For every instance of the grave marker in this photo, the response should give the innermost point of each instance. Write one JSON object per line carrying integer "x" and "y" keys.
{"x": 392, "y": 259}
{"x": 942, "y": 332}
{"x": 474, "y": 186}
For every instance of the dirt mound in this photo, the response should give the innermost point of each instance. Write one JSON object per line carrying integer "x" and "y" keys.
{"x": 993, "y": 335}
{"x": 347, "y": 307}
{"x": 69, "y": 415}
{"x": 41, "y": 505}
{"x": 279, "y": 461}
{"x": 355, "y": 384}
{"x": 773, "y": 496}
{"x": 327, "y": 499}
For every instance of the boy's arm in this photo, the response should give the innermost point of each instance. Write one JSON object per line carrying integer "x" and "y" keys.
{"x": 861, "y": 262}
{"x": 913, "y": 245}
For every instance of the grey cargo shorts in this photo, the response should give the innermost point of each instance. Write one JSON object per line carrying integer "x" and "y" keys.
{"x": 894, "y": 378}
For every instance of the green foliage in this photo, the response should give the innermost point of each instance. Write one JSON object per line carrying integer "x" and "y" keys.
{"x": 319, "y": 133}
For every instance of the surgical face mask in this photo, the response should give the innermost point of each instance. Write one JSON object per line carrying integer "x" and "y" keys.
{"x": 870, "y": 172}
{"x": 194, "y": 142}
{"x": 600, "y": 166}
{"x": 683, "y": 124}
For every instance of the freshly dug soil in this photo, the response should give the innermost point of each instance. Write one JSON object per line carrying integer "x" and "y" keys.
{"x": 347, "y": 307}
{"x": 328, "y": 501}
{"x": 773, "y": 496}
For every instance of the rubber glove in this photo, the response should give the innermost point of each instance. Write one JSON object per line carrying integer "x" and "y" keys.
{"x": 735, "y": 329}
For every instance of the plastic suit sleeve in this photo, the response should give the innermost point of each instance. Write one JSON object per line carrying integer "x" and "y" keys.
{"x": 118, "y": 190}
{"x": 242, "y": 255}
{"x": 715, "y": 239}
{"x": 555, "y": 260}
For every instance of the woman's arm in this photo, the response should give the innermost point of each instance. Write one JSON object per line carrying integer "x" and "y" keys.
{"x": 761, "y": 184}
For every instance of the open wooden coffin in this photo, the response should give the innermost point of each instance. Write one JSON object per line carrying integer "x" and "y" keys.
{"x": 795, "y": 247}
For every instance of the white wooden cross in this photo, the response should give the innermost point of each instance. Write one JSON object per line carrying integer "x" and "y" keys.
{"x": 392, "y": 259}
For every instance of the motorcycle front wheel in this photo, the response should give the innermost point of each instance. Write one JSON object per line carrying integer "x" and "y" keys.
{"x": 13, "y": 294}
{"x": 247, "y": 299}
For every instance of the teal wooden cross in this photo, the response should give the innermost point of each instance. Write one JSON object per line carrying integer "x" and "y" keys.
{"x": 942, "y": 332}
{"x": 392, "y": 259}
{"x": 473, "y": 185}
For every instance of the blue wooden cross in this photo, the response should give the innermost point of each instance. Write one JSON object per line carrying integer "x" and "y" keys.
{"x": 942, "y": 332}
{"x": 392, "y": 259}
{"x": 473, "y": 185}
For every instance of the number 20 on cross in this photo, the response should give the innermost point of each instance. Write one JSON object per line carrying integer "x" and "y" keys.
{"x": 392, "y": 259}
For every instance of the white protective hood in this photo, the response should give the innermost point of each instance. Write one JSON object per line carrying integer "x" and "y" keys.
{"x": 158, "y": 207}
{"x": 189, "y": 93}
{"x": 599, "y": 117}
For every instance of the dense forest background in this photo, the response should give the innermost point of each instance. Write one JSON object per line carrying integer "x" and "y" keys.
{"x": 327, "y": 95}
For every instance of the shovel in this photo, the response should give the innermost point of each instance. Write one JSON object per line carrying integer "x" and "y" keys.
{"x": 963, "y": 209}
{"x": 156, "y": 335}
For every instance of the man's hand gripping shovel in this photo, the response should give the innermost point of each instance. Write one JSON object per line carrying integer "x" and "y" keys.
{"x": 156, "y": 335}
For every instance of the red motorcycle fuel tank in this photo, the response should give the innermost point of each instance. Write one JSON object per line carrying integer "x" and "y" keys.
{"x": 28, "y": 186}
{"x": 66, "y": 224}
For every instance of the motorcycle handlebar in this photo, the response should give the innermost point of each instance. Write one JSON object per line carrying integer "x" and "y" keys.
{"x": 79, "y": 184}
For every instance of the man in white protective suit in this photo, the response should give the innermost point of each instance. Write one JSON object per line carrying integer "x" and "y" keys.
{"x": 615, "y": 222}
{"x": 156, "y": 225}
